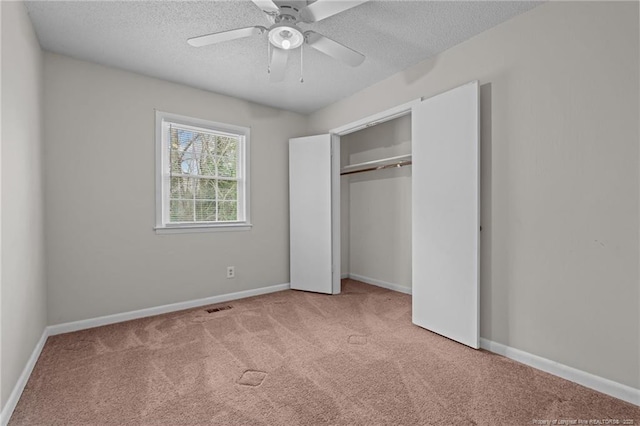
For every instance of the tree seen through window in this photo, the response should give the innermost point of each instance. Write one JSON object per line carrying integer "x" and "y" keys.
{"x": 203, "y": 177}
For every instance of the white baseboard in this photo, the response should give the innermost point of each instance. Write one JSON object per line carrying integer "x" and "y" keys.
{"x": 343, "y": 276}
{"x": 126, "y": 316}
{"x": 606, "y": 386}
{"x": 14, "y": 397}
{"x": 379, "y": 283}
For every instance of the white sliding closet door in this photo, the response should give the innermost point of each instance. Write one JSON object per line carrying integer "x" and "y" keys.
{"x": 310, "y": 213}
{"x": 445, "y": 195}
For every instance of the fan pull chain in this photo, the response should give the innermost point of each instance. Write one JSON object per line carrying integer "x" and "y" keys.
{"x": 268, "y": 57}
{"x": 301, "y": 63}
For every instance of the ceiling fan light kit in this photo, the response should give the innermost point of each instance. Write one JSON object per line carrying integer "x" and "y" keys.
{"x": 284, "y": 35}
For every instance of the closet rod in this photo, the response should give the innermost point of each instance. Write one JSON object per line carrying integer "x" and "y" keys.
{"x": 386, "y": 166}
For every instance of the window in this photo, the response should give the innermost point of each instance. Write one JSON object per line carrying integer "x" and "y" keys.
{"x": 202, "y": 175}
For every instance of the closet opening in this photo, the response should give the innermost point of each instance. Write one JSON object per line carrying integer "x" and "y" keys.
{"x": 393, "y": 200}
{"x": 375, "y": 204}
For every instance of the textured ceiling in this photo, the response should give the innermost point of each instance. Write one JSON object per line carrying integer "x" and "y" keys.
{"x": 149, "y": 37}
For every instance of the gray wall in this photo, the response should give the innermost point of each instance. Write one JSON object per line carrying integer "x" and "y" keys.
{"x": 559, "y": 106}
{"x": 377, "y": 204}
{"x": 23, "y": 313}
{"x": 103, "y": 256}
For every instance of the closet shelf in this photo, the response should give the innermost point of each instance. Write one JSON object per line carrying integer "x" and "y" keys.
{"x": 383, "y": 163}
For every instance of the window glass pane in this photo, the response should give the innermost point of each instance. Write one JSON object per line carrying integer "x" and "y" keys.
{"x": 182, "y": 187}
{"x": 196, "y": 148}
{"x": 181, "y": 139}
{"x": 181, "y": 210}
{"x": 176, "y": 161}
{"x": 206, "y": 156}
{"x": 182, "y": 151}
{"x": 204, "y": 178}
{"x": 227, "y": 190}
{"x": 227, "y": 155}
{"x": 206, "y": 189}
{"x": 183, "y": 163}
{"x": 227, "y": 211}
{"x": 190, "y": 165}
{"x": 205, "y": 211}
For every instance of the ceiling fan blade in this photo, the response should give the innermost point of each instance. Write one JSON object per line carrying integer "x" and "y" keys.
{"x": 322, "y": 9}
{"x": 208, "y": 39}
{"x": 278, "y": 64}
{"x": 334, "y": 49}
{"x": 266, "y": 5}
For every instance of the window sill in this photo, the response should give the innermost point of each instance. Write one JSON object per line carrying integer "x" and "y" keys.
{"x": 189, "y": 229}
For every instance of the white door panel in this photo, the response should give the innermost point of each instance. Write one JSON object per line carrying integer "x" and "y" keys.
{"x": 310, "y": 213}
{"x": 445, "y": 194}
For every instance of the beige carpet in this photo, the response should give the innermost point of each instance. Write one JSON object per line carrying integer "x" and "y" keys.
{"x": 293, "y": 358}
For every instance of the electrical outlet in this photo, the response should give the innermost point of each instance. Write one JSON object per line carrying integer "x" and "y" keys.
{"x": 231, "y": 271}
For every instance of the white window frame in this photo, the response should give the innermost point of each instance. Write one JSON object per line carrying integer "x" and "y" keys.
{"x": 163, "y": 226}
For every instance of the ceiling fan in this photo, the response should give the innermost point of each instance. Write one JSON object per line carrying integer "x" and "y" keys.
{"x": 285, "y": 35}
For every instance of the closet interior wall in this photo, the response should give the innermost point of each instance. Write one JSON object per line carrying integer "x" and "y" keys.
{"x": 376, "y": 206}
